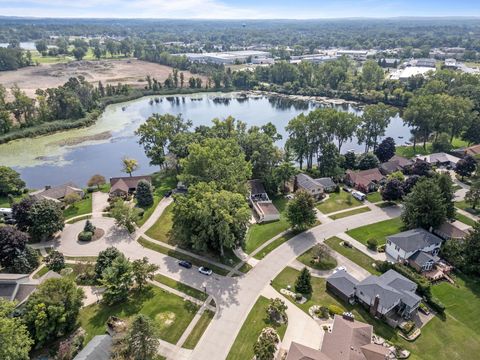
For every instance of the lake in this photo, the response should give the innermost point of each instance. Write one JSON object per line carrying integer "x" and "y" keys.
{"x": 76, "y": 155}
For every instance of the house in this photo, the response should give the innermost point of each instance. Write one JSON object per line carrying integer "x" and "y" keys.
{"x": 327, "y": 183}
{"x": 342, "y": 285}
{"x": 389, "y": 62}
{"x": 403, "y": 245}
{"x": 18, "y": 287}
{"x": 348, "y": 340}
{"x": 440, "y": 159}
{"x": 452, "y": 231}
{"x": 473, "y": 150}
{"x": 365, "y": 181}
{"x": 261, "y": 203}
{"x": 425, "y": 63}
{"x": 396, "y": 163}
{"x": 57, "y": 193}
{"x": 306, "y": 183}
{"x": 388, "y": 296}
{"x": 99, "y": 348}
{"x": 422, "y": 261}
{"x": 122, "y": 186}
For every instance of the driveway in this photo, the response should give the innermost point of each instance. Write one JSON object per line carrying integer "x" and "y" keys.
{"x": 99, "y": 203}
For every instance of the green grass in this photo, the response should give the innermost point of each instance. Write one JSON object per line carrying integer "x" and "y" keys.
{"x": 181, "y": 256}
{"x": 464, "y": 219}
{"x": 198, "y": 330}
{"x": 5, "y": 203}
{"x": 457, "y": 337}
{"x": 352, "y": 254}
{"x": 378, "y": 231}
{"x": 258, "y": 234}
{"x": 408, "y": 152}
{"x": 327, "y": 263}
{"x": 188, "y": 290}
{"x": 41, "y": 272}
{"x": 350, "y": 213}
{"x": 464, "y": 206}
{"x": 84, "y": 217}
{"x": 256, "y": 321}
{"x": 161, "y": 229}
{"x": 82, "y": 258}
{"x": 338, "y": 201}
{"x": 170, "y": 313}
{"x": 374, "y": 197}
{"x": 162, "y": 182}
{"x": 273, "y": 245}
{"x": 81, "y": 207}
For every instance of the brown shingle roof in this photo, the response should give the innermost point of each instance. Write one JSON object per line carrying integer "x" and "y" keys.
{"x": 58, "y": 192}
{"x": 301, "y": 352}
{"x": 127, "y": 182}
{"x": 364, "y": 177}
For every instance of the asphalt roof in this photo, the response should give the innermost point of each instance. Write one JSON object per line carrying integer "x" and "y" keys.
{"x": 415, "y": 239}
{"x": 344, "y": 282}
{"x": 99, "y": 348}
{"x": 421, "y": 258}
{"x": 306, "y": 182}
{"x": 326, "y": 182}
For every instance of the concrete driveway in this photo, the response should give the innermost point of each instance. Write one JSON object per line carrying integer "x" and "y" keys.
{"x": 99, "y": 202}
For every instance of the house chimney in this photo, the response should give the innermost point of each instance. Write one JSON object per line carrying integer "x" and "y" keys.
{"x": 374, "y": 306}
{"x": 48, "y": 187}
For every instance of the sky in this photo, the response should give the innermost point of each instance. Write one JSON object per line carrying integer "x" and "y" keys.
{"x": 238, "y": 9}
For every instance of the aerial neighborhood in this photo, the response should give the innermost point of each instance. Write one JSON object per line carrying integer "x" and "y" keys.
{"x": 240, "y": 190}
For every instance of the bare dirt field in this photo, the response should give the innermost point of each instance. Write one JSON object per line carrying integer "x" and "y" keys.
{"x": 127, "y": 71}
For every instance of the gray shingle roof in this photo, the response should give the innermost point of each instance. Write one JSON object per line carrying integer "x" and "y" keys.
{"x": 99, "y": 348}
{"x": 413, "y": 240}
{"x": 421, "y": 258}
{"x": 344, "y": 282}
{"x": 326, "y": 182}
{"x": 306, "y": 182}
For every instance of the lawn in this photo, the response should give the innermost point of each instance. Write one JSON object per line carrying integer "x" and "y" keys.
{"x": 181, "y": 256}
{"x": 326, "y": 263}
{"x": 350, "y": 213}
{"x": 161, "y": 231}
{"x": 409, "y": 152}
{"x": 273, "y": 245}
{"x": 352, "y": 254}
{"x": 374, "y": 197}
{"x": 258, "y": 234}
{"x": 338, "y": 201}
{"x": 457, "y": 337}
{"x": 162, "y": 182}
{"x": 464, "y": 206}
{"x": 378, "y": 231}
{"x": 81, "y": 207}
{"x": 198, "y": 330}
{"x": 256, "y": 321}
{"x": 464, "y": 219}
{"x": 41, "y": 272}
{"x": 5, "y": 203}
{"x": 170, "y": 313}
{"x": 188, "y": 290}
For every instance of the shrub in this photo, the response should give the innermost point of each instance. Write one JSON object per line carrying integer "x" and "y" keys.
{"x": 407, "y": 327}
{"x": 85, "y": 236}
{"x": 323, "y": 312}
{"x": 89, "y": 227}
{"x": 298, "y": 296}
{"x": 55, "y": 261}
{"x": 347, "y": 244}
{"x": 325, "y": 328}
{"x": 372, "y": 244}
{"x": 381, "y": 248}
{"x": 335, "y": 310}
{"x": 436, "y": 304}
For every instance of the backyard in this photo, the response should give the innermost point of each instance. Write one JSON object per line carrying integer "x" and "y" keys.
{"x": 261, "y": 233}
{"x": 464, "y": 206}
{"x": 170, "y": 313}
{"x": 256, "y": 320}
{"x": 80, "y": 207}
{"x": 377, "y": 231}
{"x": 338, "y": 201}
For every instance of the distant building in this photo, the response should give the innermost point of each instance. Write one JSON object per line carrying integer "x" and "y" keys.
{"x": 122, "y": 186}
{"x": 439, "y": 159}
{"x": 389, "y": 63}
{"x": 404, "y": 245}
{"x": 451, "y": 63}
{"x": 396, "y": 163}
{"x": 261, "y": 203}
{"x": 57, "y": 193}
{"x": 431, "y": 63}
{"x": 473, "y": 150}
{"x": 356, "y": 54}
{"x": 228, "y": 57}
{"x": 365, "y": 181}
{"x": 306, "y": 183}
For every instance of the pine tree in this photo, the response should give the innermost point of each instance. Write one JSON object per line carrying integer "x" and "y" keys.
{"x": 144, "y": 193}
{"x": 142, "y": 339}
{"x": 303, "y": 284}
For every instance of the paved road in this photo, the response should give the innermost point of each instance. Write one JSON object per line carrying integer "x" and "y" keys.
{"x": 234, "y": 296}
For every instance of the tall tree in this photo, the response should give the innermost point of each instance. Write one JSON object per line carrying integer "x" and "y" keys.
{"x": 129, "y": 165}
{"x": 105, "y": 259}
{"x": 12, "y": 243}
{"x": 14, "y": 337}
{"x": 142, "y": 339}
{"x": 46, "y": 217}
{"x": 10, "y": 181}
{"x": 266, "y": 346}
{"x": 218, "y": 160}
{"x": 52, "y": 310}
{"x": 303, "y": 285}
{"x": 472, "y": 196}
{"x": 143, "y": 271}
{"x": 157, "y": 132}
{"x": 375, "y": 120}
{"x": 445, "y": 184}
{"x": 385, "y": 150}
{"x": 393, "y": 190}
{"x": 301, "y": 212}
{"x": 466, "y": 166}
{"x": 329, "y": 161}
{"x": 124, "y": 215}
{"x": 209, "y": 218}
{"x": 144, "y": 194}
{"x": 424, "y": 206}
{"x": 117, "y": 280}
{"x": 96, "y": 180}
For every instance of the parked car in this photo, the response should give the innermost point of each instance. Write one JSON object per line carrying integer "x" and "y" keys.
{"x": 359, "y": 195}
{"x": 205, "y": 270}
{"x": 168, "y": 193}
{"x": 346, "y": 189}
{"x": 340, "y": 268}
{"x": 184, "y": 263}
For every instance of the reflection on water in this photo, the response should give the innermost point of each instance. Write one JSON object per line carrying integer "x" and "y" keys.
{"x": 76, "y": 155}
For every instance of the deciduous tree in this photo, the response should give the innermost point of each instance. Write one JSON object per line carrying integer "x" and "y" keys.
{"x": 55, "y": 261}
{"x": 46, "y": 219}
{"x": 143, "y": 271}
{"x": 117, "y": 280}
{"x": 385, "y": 150}
{"x": 301, "y": 211}
{"x": 14, "y": 337}
{"x": 129, "y": 165}
{"x": 10, "y": 181}
{"x": 96, "y": 180}
{"x": 12, "y": 243}
{"x": 124, "y": 215}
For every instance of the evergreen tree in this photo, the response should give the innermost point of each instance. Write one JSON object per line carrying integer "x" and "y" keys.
{"x": 445, "y": 184}
{"x": 303, "y": 284}
{"x": 144, "y": 194}
{"x": 117, "y": 280}
{"x": 142, "y": 339}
